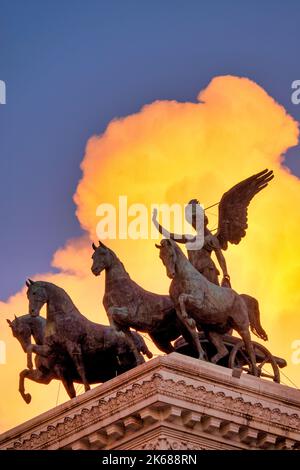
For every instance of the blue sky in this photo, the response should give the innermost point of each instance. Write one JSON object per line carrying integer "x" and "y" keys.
{"x": 71, "y": 66}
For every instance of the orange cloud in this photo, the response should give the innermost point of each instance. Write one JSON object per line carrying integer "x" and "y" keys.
{"x": 172, "y": 152}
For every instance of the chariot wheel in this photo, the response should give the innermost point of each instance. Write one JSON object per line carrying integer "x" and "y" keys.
{"x": 265, "y": 362}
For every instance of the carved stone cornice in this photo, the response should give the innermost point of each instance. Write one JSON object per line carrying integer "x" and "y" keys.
{"x": 198, "y": 400}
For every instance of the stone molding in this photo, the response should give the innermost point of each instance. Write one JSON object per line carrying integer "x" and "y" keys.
{"x": 171, "y": 402}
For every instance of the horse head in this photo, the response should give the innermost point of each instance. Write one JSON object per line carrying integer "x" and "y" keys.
{"x": 37, "y": 296}
{"x": 102, "y": 258}
{"x": 21, "y": 331}
{"x": 168, "y": 256}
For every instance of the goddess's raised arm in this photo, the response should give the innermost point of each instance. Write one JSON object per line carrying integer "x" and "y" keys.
{"x": 174, "y": 236}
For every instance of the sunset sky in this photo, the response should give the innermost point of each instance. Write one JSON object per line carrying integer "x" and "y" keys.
{"x": 106, "y": 98}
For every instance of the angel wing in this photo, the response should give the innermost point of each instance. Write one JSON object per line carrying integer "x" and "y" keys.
{"x": 233, "y": 207}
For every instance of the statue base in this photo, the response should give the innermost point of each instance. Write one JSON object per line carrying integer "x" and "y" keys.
{"x": 171, "y": 402}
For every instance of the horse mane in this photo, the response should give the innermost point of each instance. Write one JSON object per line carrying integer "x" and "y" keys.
{"x": 177, "y": 249}
{"x": 181, "y": 254}
{"x": 59, "y": 290}
{"x": 176, "y": 246}
{"x": 27, "y": 319}
{"x": 54, "y": 287}
{"x": 118, "y": 259}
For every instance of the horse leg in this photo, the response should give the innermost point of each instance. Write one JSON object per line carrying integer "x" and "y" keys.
{"x": 36, "y": 376}
{"x": 241, "y": 325}
{"x": 132, "y": 346}
{"x": 118, "y": 319}
{"x": 162, "y": 344}
{"x": 75, "y": 353}
{"x": 29, "y": 360}
{"x": 217, "y": 341}
{"x": 26, "y": 396}
{"x": 40, "y": 349}
{"x": 189, "y": 322}
{"x": 69, "y": 387}
{"x": 245, "y": 334}
{"x": 141, "y": 345}
{"x": 66, "y": 380}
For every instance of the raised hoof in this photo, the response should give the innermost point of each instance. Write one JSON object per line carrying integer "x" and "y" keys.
{"x": 27, "y": 398}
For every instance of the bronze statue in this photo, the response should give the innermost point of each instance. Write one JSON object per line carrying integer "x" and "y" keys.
{"x": 202, "y": 304}
{"x": 130, "y": 306}
{"x": 71, "y": 348}
{"x": 81, "y": 350}
{"x": 232, "y": 227}
{"x": 25, "y": 327}
{"x": 47, "y": 367}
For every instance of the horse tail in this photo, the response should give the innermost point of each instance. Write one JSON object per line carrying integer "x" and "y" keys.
{"x": 141, "y": 345}
{"x": 254, "y": 316}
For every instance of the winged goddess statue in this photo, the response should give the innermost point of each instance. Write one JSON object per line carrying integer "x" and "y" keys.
{"x": 232, "y": 226}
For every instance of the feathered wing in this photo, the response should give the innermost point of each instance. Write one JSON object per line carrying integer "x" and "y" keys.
{"x": 233, "y": 207}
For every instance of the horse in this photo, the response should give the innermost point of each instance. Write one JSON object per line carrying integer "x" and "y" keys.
{"x": 96, "y": 352}
{"x": 128, "y": 305}
{"x": 46, "y": 368}
{"x": 25, "y": 327}
{"x": 207, "y": 306}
